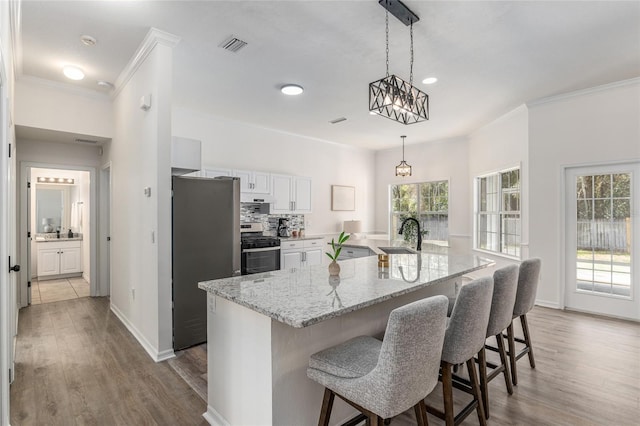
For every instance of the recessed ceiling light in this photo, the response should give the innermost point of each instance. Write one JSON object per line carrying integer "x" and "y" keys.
{"x": 291, "y": 89}
{"x": 429, "y": 80}
{"x": 73, "y": 73}
{"x": 87, "y": 40}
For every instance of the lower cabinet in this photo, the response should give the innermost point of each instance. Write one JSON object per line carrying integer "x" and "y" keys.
{"x": 350, "y": 252}
{"x": 57, "y": 258}
{"x": 294, "y": 254}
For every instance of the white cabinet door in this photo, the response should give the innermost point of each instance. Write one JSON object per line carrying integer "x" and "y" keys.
{"x": 48, "y": 261}
{"x": 291, "y": 260}
{"x": 302, "y": 195}
{"x": 281, "y": 186}
{"x": 313, "y": 257}
{"x": 70, "y": 260}
{"x": 246, "y": 181}
{"x": 261, "y": 182}
{"x": 215, "y": 172}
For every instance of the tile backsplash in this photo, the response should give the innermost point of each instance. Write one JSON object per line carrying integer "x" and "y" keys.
{"x": 251, "y": 213}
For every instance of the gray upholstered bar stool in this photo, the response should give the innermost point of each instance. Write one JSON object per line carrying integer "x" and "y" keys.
{"x": 505, "y": 285}
{"x": 525, "y": 299}
{"x": 383, "y": 379}
{"x": 464, "y": 338}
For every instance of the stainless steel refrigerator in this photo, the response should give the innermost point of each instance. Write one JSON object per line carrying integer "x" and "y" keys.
{"x": 205, "y": 246}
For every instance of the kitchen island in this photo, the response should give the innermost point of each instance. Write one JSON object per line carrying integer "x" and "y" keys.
{"x": 262, "y": 328}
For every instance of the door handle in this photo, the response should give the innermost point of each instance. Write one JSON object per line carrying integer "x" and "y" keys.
{"x": 14, "y": 268}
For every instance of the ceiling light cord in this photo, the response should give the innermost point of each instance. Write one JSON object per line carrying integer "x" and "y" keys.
{"x": 411, "y": 66}
{"x": 387, "y": 33}
{"x": 403, "y": 147}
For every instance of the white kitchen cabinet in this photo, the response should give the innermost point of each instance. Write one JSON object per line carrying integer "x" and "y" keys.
{"x": 354, "y": 252}
{"x": 59, "y": 257}
{"x": 211, "y": 172}
{"x": 253, "y": 182}
{"x": 292, "y": 194}
{"x": 294, "y": 254}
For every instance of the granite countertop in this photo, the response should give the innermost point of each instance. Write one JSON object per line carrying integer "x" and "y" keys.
{"x": 305, "y": 296}
{"x": 306, "y": 237}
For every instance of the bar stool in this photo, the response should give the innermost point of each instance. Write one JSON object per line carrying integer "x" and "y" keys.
{"x": 464, "y": 338}
{"x": 525, "y": 299}
{"x": 505, "y": 285}
{"x": 384, "y": 379}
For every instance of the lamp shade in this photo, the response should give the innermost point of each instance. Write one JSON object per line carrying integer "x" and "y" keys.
{"x": 352, "y": 226}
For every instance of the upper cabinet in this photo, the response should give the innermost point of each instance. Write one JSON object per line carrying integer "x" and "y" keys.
{"x": 185, "y": 155}
{"x": 254, "y": 182}
{"x": 292, "y": 194}
{"x": 211, "y": 172}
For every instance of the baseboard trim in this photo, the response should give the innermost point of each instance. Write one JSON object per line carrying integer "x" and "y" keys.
{"x": 548, "y": 304}
{"x": 151, "y": 350}
{"x": 214, "y": 418}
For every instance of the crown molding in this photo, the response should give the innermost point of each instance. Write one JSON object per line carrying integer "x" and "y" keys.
{"x": 65, "y": 87}
{"x": 151, "y": 40}
{"x": 563, "y": 96}
{"x": 15, "y": 30}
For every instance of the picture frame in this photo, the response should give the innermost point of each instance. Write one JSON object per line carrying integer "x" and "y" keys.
{"x": 343, "y": 198}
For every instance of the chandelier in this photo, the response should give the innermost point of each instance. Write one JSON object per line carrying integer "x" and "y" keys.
{"x": 391, "y": 96}
{"x": 403, "y": 169}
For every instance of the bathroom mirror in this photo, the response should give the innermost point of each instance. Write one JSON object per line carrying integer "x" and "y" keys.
{"x": 53, "y": 208}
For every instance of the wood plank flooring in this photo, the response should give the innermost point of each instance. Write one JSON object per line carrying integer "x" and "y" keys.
{"x": 76, "y": 364}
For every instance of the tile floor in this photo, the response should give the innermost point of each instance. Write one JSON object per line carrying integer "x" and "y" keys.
{"x": 46, "y": 291}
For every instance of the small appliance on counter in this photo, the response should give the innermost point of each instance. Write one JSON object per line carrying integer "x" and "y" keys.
{"x": 260, "y": 253}
{"x": 283, "y": 227}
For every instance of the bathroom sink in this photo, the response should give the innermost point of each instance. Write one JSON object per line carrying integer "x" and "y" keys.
{"x": 397, "y": 250}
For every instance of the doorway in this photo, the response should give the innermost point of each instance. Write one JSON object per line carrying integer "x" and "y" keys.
{"x": 58, "y": 205}
{"x": 603, "y": 239}
{"x": 54, "y": 200}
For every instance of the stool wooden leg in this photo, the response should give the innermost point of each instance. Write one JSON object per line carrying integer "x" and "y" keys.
{"x": 512, "y": 353}
{"x": 505, "y": 363}
{"x": 482, "y": 366}
{"x": 447, "y": 392}
{"x": 527, "y": 339}
{"x": 475, "y": 388}
{"x": 421, "y": 413}
{"x": 327, "y": 406}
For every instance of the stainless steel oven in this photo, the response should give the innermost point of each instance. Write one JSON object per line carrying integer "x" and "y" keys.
{"x": 260, "y": 253}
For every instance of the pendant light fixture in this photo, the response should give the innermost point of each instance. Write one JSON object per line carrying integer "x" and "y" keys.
{"x": 391, "y": 96}
{"x": 403, "y": 169}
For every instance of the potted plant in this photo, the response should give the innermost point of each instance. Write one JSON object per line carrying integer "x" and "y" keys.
{"x": 334, "y": 268}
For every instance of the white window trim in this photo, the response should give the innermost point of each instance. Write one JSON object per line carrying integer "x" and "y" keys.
{"x": 475, "y": 212}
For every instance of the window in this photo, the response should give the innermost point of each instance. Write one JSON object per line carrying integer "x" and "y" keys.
{"x": 428, "y": 202}
{"x": 497, "y": 212}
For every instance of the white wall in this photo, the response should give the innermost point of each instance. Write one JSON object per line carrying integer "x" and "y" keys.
{"x": 141, "y": 226}
{"x": 499, "y": 145}
{"x": 50, "y": 106}
{"x": 231, "y": 144}
{"x": 443, "y": 160}
{"x": 591, "y": 127}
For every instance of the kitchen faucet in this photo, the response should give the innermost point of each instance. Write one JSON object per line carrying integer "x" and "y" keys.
{"x": 419, "y": 247}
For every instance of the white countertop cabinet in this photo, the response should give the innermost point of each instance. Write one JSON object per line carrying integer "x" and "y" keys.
{"x": 59, "y": 258}
{"x": 299, "y": 253}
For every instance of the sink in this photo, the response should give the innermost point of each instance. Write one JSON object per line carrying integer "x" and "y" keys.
{"x": 397, "y": 250}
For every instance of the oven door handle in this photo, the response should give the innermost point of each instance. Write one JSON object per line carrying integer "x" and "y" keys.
{"x": 254, "y": 250}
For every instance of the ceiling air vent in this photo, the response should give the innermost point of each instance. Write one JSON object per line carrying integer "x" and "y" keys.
{"x": 337, "y": 120}
{"x": 233, "y": 44}
{"x": 86, "y": 141}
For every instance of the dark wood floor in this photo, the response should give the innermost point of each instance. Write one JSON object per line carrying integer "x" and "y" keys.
{"x": 76, "y": 364}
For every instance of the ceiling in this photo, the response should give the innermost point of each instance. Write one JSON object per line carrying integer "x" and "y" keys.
{"x": 489, "y": 57}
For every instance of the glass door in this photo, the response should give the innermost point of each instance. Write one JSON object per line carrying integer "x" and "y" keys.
{"x": 602, "y": 239}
